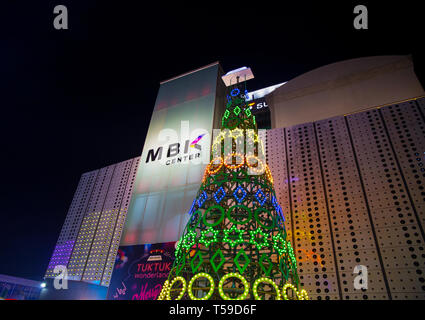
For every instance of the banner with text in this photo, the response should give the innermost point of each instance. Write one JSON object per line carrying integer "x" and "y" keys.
{"x": 140, "y": 271}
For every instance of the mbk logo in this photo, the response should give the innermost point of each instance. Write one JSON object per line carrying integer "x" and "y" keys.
{"x": 175, "y": 147}
{"x": 172, "y": 151}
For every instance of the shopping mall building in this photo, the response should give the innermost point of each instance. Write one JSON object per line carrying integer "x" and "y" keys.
{"x": 346, "y": 147}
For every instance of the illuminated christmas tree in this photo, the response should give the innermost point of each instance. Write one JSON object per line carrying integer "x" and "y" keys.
{"x": 235, "y": 245}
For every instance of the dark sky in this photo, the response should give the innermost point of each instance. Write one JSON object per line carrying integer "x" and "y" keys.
{"x": 80, "y": 99}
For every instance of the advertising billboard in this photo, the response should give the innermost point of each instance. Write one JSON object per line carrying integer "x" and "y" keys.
{"x": 174, "y": 157}
{"x": 140, "y": 271}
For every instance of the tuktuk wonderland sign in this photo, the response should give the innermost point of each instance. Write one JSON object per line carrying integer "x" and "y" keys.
{"x": 140, "y": 271}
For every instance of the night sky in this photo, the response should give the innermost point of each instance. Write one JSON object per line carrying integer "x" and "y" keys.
{"x": 80, "y": 99}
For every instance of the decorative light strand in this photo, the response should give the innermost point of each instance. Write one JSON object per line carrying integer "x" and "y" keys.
{"x": 189, "y": 240}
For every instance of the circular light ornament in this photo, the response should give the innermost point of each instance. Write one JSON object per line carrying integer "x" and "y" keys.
{"x": 183, "y": 281}
{"x": 266, "y": 280}
{"x": 241, "y": 206}
{"x": 234, "y": 166}
{"x": 285, "y": 287}
{"x": 213, "y": 167}
{"x": 269, "y": 215}
{"x": 233, "y": 275}
{"x": 231, "y": 122}
{"x": 235, "y": 92}
{"x": 259, "y": 169}
{"x": 204, "y": 218}
{"x": 200, "y": 275}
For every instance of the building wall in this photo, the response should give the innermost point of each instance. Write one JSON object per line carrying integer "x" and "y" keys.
{"x": 352, "y": 188}
{"x": 343, "y": 87}
{"x": 14, "y": 288}
{"x": 90, "y": 236}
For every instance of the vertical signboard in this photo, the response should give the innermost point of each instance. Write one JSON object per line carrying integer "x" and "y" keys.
{"x": 174, "y": 157}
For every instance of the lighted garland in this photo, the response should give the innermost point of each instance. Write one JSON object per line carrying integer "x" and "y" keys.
{"x": 285, "y": 287}
{"x": 266, "y": 280}
{"x": 233, "y": 275}
{"x": 236, "y": 133}
{"x": 209, "y": 293}
{"x": 269, "y": 174}
{"x": 291, "y": 254}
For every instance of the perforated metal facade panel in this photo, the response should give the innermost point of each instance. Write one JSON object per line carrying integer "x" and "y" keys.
{"x": 352, "y": 188}
{"x": 97, "y": 213}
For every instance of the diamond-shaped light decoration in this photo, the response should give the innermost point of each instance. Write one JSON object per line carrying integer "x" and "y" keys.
{"x": 202, "y": 198}
{"x": 259, "y": 195}
{"x": 236, "y": 260}
{"x": 215, "y": 266}
{"x": 239, "y": 194}
{"x": 219, "y": 195}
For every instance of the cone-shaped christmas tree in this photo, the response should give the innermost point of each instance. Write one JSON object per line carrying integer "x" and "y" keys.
{"x": 235, "y": 244}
